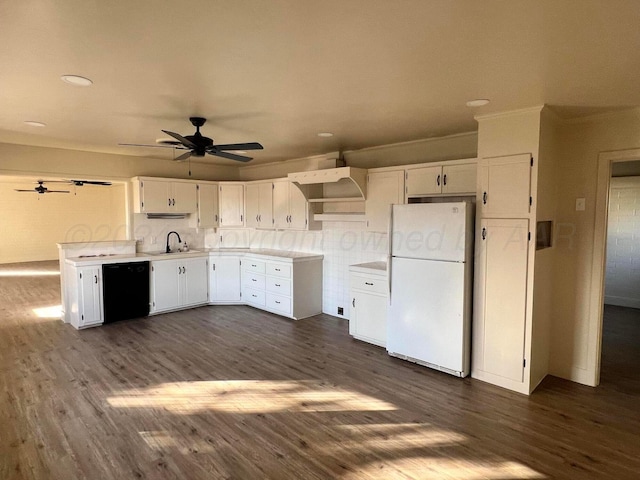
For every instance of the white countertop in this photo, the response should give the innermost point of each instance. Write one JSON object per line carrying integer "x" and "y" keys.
{"x": 369, "y": 267}
{"x": 281, "y": 255}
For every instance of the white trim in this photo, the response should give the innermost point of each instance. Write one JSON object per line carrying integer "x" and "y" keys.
{"x": 410, "y": 142}
{"x": 596, "y": 305}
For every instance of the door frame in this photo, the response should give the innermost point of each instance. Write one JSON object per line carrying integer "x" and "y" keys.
{"x": 598, "y": 265}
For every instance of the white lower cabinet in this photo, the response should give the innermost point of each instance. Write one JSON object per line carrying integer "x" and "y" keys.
{"x": 369, "y": 302}
{"x": 85, "y": 295}
{"x": 178, "y": 283}
{"x": 291, "y": 287}
{"x": 224, "y": 279}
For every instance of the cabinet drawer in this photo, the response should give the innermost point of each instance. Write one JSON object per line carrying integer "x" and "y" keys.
{"x": 279, "y": 303}
{"x": 254, "y": 297}
{"x": 252, "y": 265}
{"x": 280, "y": 286}
{"x": 279, "y": 269}
{"x": 374, "y": 284}
{"x": 253, "y": 280}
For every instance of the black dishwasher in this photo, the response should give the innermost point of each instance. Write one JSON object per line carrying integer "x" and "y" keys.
{"x": 125, "y": 290}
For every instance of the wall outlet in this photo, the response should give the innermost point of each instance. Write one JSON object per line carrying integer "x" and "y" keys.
{"x": 153, "y": 240}
{"x": 340, "y": 311}
{"x": 580, "y": 204}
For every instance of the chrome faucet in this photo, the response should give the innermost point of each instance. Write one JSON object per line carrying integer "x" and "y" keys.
{"x": 168, "y": 250}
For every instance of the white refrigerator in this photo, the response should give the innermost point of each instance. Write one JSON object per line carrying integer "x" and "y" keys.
{"x": 430, "y": 273}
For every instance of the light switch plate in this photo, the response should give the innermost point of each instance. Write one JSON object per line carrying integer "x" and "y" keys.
{"x": 580, "y": 204}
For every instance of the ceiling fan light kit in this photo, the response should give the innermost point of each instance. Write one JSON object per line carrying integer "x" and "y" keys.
{"x": 198, "y": 145}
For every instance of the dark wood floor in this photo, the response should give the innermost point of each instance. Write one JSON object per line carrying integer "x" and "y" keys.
{"x": 232, "y": 392}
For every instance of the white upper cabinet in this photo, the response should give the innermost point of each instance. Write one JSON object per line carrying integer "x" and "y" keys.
{"x": 424, "y": 181}
{"x": 184, "y": 197}
{"x": 383, "y": 190}
{"x": 504, "y": 186}
{"x": 158, "y": 195}
{"x": 207, "y": 205}
{"x": 259, "y": 205}
{"x": 290, "y": 207}
{"x": 441, "y": 179}
{"x": 459, "y": 179}
{"x": 231, "y": 204}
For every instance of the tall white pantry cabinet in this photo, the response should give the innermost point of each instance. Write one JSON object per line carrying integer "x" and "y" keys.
{"x": 515, "y": 190}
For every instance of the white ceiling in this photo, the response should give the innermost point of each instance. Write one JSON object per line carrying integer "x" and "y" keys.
{"x": 278, "y": 72}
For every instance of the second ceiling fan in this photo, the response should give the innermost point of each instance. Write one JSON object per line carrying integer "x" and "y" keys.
{"x": 198, "y": 145}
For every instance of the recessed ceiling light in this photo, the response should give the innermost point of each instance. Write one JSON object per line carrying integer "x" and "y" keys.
{"x": 32, "y": 123}
{"x": 478, "y": 102}
{"x": 76, "y": 80}
{"x": 325, "y": 134}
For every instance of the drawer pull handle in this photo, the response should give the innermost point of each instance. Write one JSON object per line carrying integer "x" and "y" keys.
{"x": 254, "y": 296}
{"x": 277, "y": 302}
{"x": 254, "y": 280}
{"x": 253, "y": 265}
{"x": 368, "y": 283}
{"x": 277, "y": 269}
{"x": 277, "y": 284}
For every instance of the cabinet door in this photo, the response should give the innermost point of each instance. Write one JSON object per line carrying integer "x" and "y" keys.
{"x": 266, "y": 205}
{"x": 90, "y": 300}
{"x": 383, "y": 190}
{"x": 298, "y": 209}
{"x": 164, "y": 285}
{"x": 184, "y": 197}
{"x": 207, "y": 206}
{"x": 500, "y": 313}
{"x": 504, "y": 186}
{"x": 252, "y": 203}
{"x": 195, "y": 278}
{"x": 368, "y": 317}
{"x": 281, "y": 204}
{"x": 224, "y": 279}
{"x": 231, "y": 201}
{"x": 424, "y": 181}
{"x": 459, "y": 179}
{"x": 154, "y": 196}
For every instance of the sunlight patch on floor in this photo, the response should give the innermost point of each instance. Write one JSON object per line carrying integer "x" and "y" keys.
{"x": 54, "y": 311}
{"x": 249, "y": 396}
{"x": 399, "y": 435}
{"x": 434, "y": 468}
{"x": 28, "y": 273}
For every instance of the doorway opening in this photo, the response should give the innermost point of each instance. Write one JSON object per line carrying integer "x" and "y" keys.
{"x": 620, "y": 349}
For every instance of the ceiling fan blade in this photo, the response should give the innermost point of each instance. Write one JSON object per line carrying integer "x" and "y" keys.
{"x": 239, "y": 146}
{"x": 80, "y": 183}
{"x": 185, "y": 141}
{"x": 142, "y": 145}
{"x": 57, "y": 191}
{"x": 182, "y": 157}
{"x": 230, "y": 156}
{"x": 20, "y": 190}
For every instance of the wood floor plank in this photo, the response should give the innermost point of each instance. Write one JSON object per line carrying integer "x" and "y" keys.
{"x": 231, "y": 392}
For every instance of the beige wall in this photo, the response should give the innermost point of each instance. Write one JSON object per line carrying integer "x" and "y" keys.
{"x": 42, "y": 161}
{"x": 580, "y": 144}
{"x": 452, "y": 147}
{"x": 33, "y": 223}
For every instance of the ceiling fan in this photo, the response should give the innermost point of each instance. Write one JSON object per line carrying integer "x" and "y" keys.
{"x": 41, "y": 189}
{"x": 199, "y": 145}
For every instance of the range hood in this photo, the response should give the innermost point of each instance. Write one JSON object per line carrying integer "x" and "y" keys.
{"x": 353, "y": 179}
